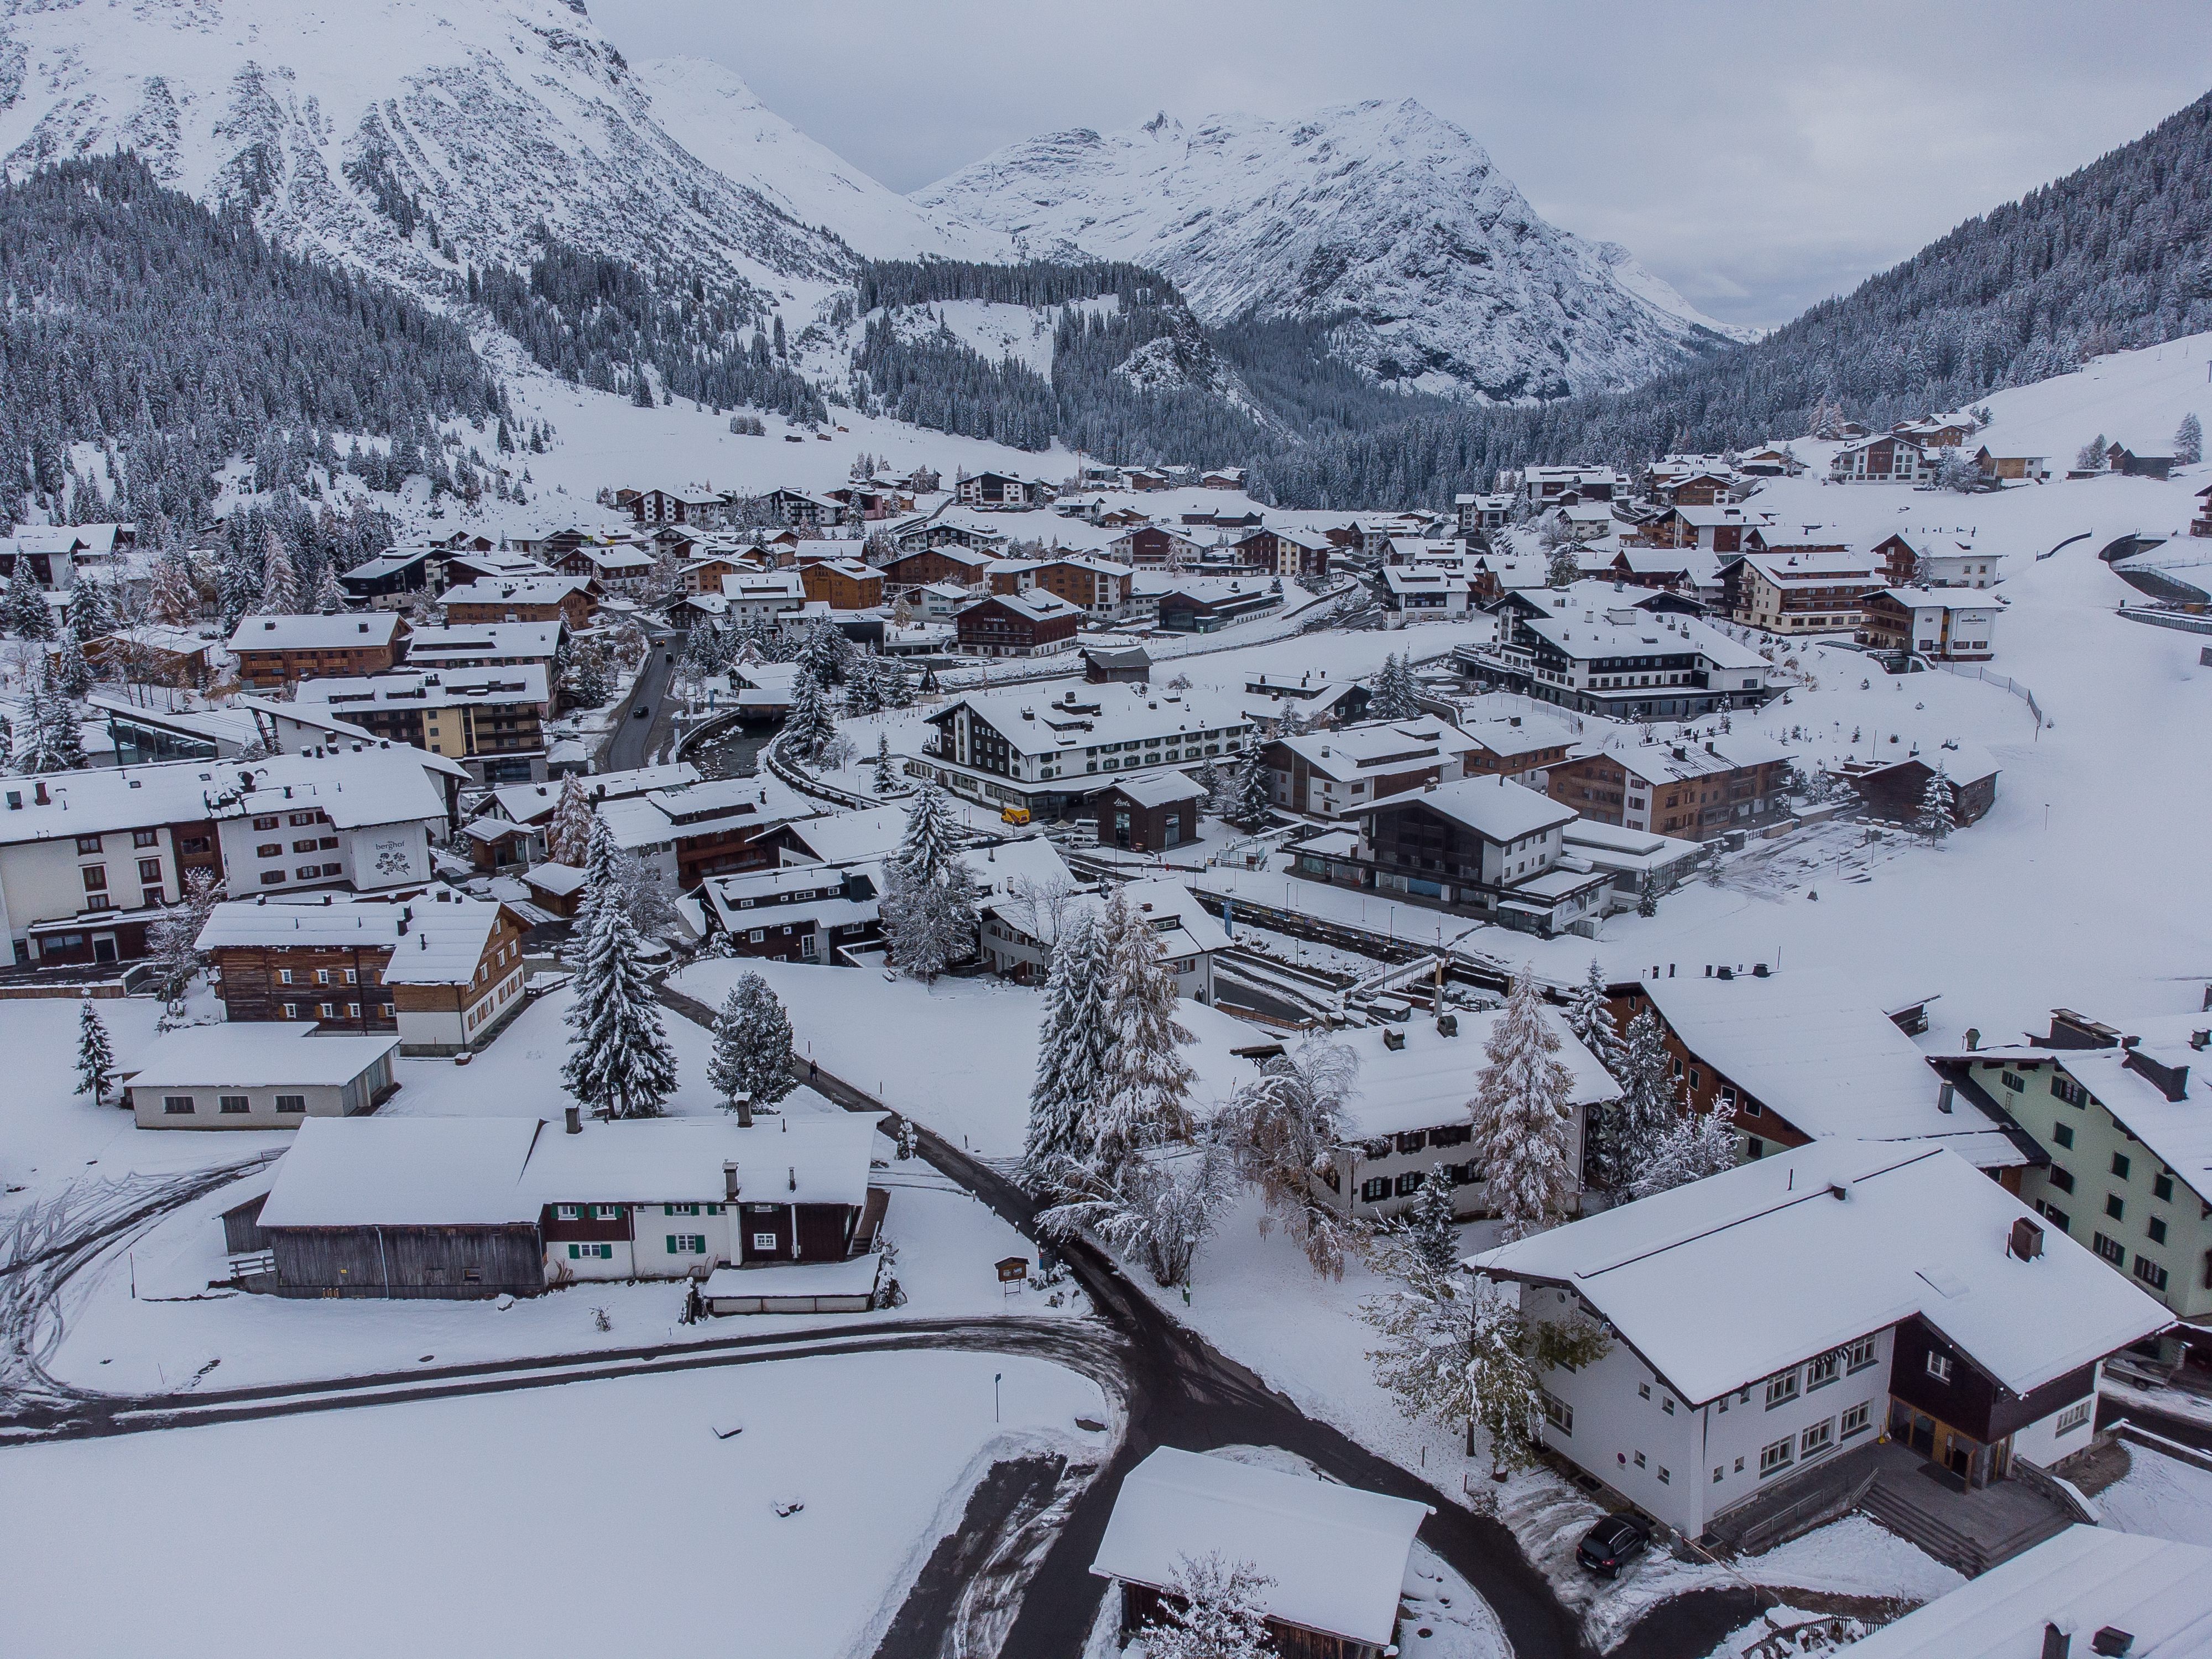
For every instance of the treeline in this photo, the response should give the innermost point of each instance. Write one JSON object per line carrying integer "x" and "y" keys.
{"x": 2116, "y": 256}
{"x": 174, "y": 338}
{"x": 599, "y": 322}
{"x": 889, "y": 282}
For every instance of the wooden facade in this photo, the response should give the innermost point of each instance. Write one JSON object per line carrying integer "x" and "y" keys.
{"x": 1139, "y": 826}
{"x": 406, "y": 1263}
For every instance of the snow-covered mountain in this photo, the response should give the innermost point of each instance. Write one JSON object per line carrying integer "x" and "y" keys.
{"x": 1378, "y": 212}
{"x": 352, "y": 125}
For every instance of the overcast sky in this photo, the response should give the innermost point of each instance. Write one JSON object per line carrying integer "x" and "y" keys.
{"x": 1758, "y": 156}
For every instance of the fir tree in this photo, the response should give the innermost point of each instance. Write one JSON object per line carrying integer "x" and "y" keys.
{"x": 1592, "y": 1021}
{"x": 1429, "y": 1226}
{"x": 1253, "y": 807}
{"x": 23, "y": 608}
{"x": 1074, "y": 1043}
{"x": 1144, "y": 1100}
{"x": 330, "y": 598}
{"x": 95, "y": 1057}
{"x": 2090, "y": 457}
{"x": 280, "y": 578}
{"x": 1524, "y": 1121}
{"x": 2188, "y": 439}
{"x": 1505, "y": 1395}
{"x": 620, "y": 1063}
{"x": 886, "y": 766}
{"x": 1392, "y": 691}
{"x": 1696, "y": 1144}
{"x": 174, "y": 597}
{"x": 928, "y": 847}
{"x": 864, "y": 690}
{"x": 751, "y": 1064}
{"x": 73, "y": 674}
{"x": 569, "y": 835}
{"x": 90, "y": 616}
{"x": 588, "y": 682}
{"x": 808, "y": 728}
{"x": 50, "y": 739}
{"x": 1650, "y": 1100}
{"x": 1937, "y": 816}
{"x": 173, "y": 940}
{"x": 929, "y": 903}
{"x": 822, "y": 653}
{"x": 1216, "y": 1611}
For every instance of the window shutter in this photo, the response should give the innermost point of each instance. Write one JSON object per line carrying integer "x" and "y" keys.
{"x": 672, "y": 1243}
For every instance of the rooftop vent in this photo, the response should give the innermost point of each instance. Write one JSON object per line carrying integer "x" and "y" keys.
{"x": 2027, "y": 1239}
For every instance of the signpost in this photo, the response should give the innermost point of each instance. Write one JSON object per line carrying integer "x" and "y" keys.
{"x": 1014, "y": 1273}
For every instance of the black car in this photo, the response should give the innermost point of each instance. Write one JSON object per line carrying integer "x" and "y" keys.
{"x": 644, "y": 710}
{"x": 1613, "y": 1543}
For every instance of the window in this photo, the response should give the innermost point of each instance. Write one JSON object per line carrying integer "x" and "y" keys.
{"x": 2062, "y": 1135}
{"x": 606, "y": 1211}
{"x": 1858, "y": 1419}
{"x": 1817, "y": 1439}
{"x": 1775, "y": 1458}
{"x": 2151, "y": 1273}
{"x": 687, "y": 1244}
{"x": 1560, "y": 1414}
{"x": 2061, "y": 1177}
{"x": 1665, "y": 1478}
{"x": 1781, "y": 1390}
{"x": 95, "y": 877}
{"x": 1409, "y": 1183}
{"x": 1643, "y": 1391}
{"x": 1861, "y": 1354}
{"x": 267, "y": 823}
{"x": 565, "y": 1212}
{"x": 2111, "y": 1248}
{"x": 145, "y": 838}
{"x": 87, "y": 843}
{"x": 2162, "y": 1189}
{"x": 679, "y": 1209}
{"x": 2156, "y": 1229}
{"x": 150, "y": 871}
{"x": 2066, "y": 1089}
{"x": 1639, "y": 1459}
{"x": 2013, "y": 1081}
{"x": 283, "y": 975}
{"x": 296, "y": 1104}
{"x": 2115, "y": 1206}
{"x": 177, "y": 1105}
{"x": 1696, "y": 1079}
{"x": 2073, "y": 1417}
{"x": 2056, "y": 1217}
{"x": 591, "y": 1252}
{"x": 1719, "y": 1471}
{"x": 328, "y": 1010}
{"x": 763, "y": 1241}
{"x": 1374, "y": 1191}
{"x": 1824, "y": 1370}
{"x": 1939, "y": 1366}
{"x": 2120, "y": 1166}
{"x": 232, "y": 1103}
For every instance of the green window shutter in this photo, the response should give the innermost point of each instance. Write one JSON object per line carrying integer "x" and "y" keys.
{"x": 574, "y": 1253}
{"x": 672, "y": 1243}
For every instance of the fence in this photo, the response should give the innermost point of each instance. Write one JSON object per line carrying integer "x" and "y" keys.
{"x": 1975, "y": 672}
{"x": 2186, "y": 624}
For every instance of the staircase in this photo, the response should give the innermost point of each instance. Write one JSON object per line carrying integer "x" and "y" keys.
{"x": 1891, "y": 1501}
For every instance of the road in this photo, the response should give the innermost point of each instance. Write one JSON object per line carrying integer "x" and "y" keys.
{"x": 634, "y": 742}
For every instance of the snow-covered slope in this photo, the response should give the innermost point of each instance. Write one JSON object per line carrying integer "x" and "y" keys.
{"x": 338, "y": 120}
{"x": 715, "y": 115}
{"x": 1379, "y": 211}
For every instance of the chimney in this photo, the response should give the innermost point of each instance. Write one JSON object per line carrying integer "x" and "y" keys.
{"x": 2171, "y": 1081}
{"x": 39, "y": 794}
{"x": 575, "y": 1119}
{"x": 729, "y": 1181}
{"x": 2026, "y": 1240}
{"x": 2112, "y": 1643}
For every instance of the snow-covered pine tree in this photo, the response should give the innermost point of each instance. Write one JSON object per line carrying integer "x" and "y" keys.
{"x": 280, "y": 578}
{"x": 751, "y": 1061}
{"x": 1591, "y": 1020}
{"x": 1650, "y": 1101}
{"x": 1216, "y": 1611}
{"x": 588, "y": 681}
{"x": 864, "y": 690}
{"x": 1253, "y": 806}
{"x": 569, "y": 835}
{"x": 95, "y": 1057}
{"x": 886, "y": 767}
{"x": 929, "y": 846}
{"x": 1392, "y": 691}
{"x": 50, "y": 740}
{"x": 172, "y": 939}
{"x": 330, "y": 598}
{"x": 1422, "y": 1316}
{"x": 174, "y": 597}
{"x": 1523, "y": 1122}
{"x": 1074, "y": 1041}
{"x": 1504, "y": 1391}
{"x": 928, "y": 906}
{"x": 2188, "y": 439}
{"x": 1565, "y": 567}
{"x": 1695, "y": 1145}
{"x": 808, "y": 728}
{"x": 90, "y": 616}
{"x": 1937, "y": 816}
{"x": 2090, "y": 457}
{"x": 1429, "y": 1224}
{"x": 823, "y": 654}
{"x": 23, "y": 608}
{"x": 73, "y": 674}
{"x": 619, "y": 1064}
{"x": 1208, "y": 778}
{"x": 1144, "y": 1100}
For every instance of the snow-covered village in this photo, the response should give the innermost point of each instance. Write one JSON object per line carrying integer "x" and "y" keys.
{"x": 1114, "y": 885}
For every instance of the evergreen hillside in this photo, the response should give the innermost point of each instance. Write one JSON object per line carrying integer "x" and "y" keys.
{"x": 2118, "y": 254}
{"x": 176, "y": 337}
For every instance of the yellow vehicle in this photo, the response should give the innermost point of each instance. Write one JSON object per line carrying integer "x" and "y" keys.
{"x": 1015, "y": 815}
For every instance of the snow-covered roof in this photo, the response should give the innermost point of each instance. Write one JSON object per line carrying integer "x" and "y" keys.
{"x": 431, "y": 943}
{"x": 1962, "y": 763}
{"x": 1336, "y": 1555}
{"x": 791, "y": 1158}
{"x": 1430, "y": 1081}
{"x": 1035, "y": 723}
{"x": 1036, "y": 603}
{"x": 1616, "y": 846}
{"x": 1623, "y": 630}
{"x": 1519, "y": 734}
{"x": 405, "y": 1171}
{"x": 430, "y": 688}
{"x": 516, "y": 590}
{"x": 527, "y": 803}
{"x": 1725, "y": 1281}
{"x": 1372, "y": 746}
{"x": 388, "y": 785}
{"x": 1158, "y": 788}
{"x": 254, "y": 1055}
{"x": 764, "y": 585}
{"x": 2179, "y": 1131}
{"x": 431, "y": 647}
{"x": 704, "y": 808}
{"x": 846, "y": 837}
{"x": 343, "y": 631}
{"x": 1811, "y": 570}
{"x": 1495, "y": 808}
{"x": 1810, "y": 1046}
{"x": 2086, "y": 1580}
{"x": 1662, "y": 762}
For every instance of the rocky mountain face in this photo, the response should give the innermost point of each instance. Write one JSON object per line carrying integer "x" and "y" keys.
{"x": 404, "y": 136}
{"x": 1379, "y": 216}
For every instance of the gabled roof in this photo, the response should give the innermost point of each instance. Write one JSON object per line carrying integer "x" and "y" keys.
{"x": 516, "y": 590}
{"x": 1335, "y": 1555}
{"x": 1724, "y": 1282}
{"x": 1157, "y": 788}
{"x": 405, "y": 1171}
{"x": 343, "y": 631}
{"x": 431, "y": 943}
{"x": 431, "y": 647}
{"x": 1431, "y": 1081}
{"x": 1361, "y": 750}
{"x": 1495, "y": 808}
{"x": 253, "y": 1056}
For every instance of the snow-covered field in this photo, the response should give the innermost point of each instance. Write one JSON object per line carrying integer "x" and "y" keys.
{"x": 2160, "y": 1497}
{"x": 591, "y": 1516}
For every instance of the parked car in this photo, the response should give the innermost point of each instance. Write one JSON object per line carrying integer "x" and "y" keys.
{"x": 644, "y": 711}
{"x": 1613, "y": 1543}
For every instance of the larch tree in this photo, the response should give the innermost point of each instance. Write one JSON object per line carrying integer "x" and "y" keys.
{"x": 95, "y": 1057}
{"x": 280, "y": 578}
{"x": 1074, "y": 1041}
{"x": 620, "y": 1063}
{"x": 1523, "y": 1119}
{"x": 1144, "y": 1099}
{"x": 1286, "y": 1125}
{"x": 751, "y": 1062}
{"x": 330, "y": 599}
{"x": 569, "y": 835}
{"x": 173, "y": 940}
{"x": 173, "y": 598}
